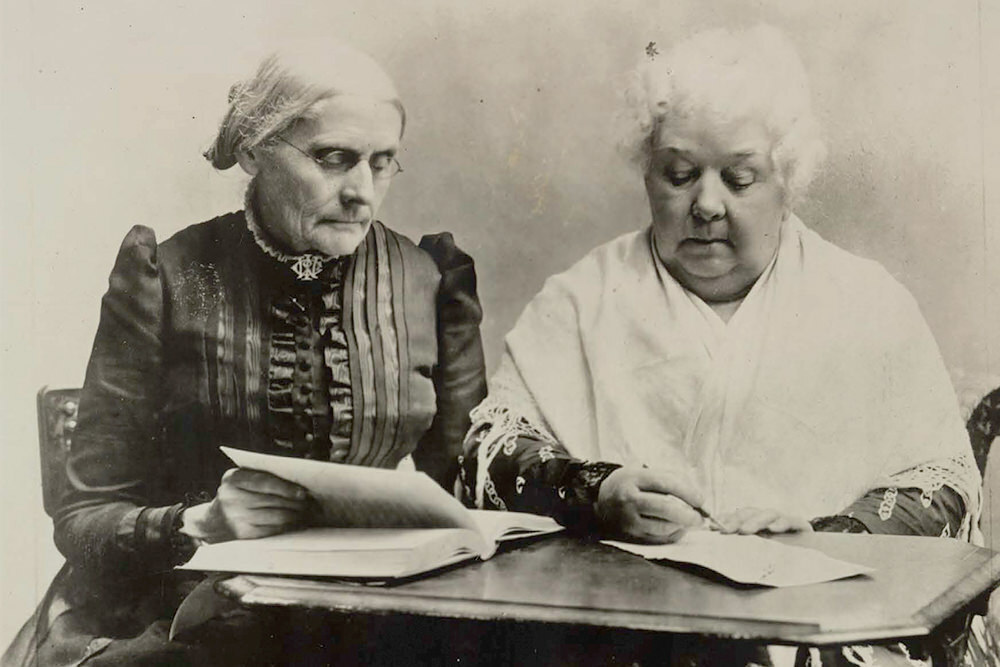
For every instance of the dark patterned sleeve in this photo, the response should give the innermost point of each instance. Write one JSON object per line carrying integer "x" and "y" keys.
{"x": 532, "y": 475}
{"x": 460, "y": 374}
{"x": 892, "y": 511}
{"x": 105, "y": 522}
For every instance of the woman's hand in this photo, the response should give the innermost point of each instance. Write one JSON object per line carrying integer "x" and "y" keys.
{"x": 750, "y": 520}
{"x": 248, "y": 504}
{"x": 646, "y": 505}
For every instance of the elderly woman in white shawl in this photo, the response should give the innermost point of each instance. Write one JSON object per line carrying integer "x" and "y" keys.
{"x": 724, "y": 358}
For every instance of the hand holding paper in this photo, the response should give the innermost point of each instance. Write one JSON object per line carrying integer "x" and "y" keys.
{"x": 375, "y": 524}
{"x": 248, "y": 504}
{"x": 361, "y": 497}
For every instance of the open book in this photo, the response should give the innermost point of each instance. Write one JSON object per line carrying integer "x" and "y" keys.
{"x": 386, "y": 524}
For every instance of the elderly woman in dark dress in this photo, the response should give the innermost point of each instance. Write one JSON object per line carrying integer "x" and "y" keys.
{"x": 300, "y": 326}
{"x": 725, "y": 357}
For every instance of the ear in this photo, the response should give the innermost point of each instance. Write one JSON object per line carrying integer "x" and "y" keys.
{"x": 248, "y": 161}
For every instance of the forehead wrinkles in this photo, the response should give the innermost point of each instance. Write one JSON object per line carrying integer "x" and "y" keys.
{"x": 357, "y": 124}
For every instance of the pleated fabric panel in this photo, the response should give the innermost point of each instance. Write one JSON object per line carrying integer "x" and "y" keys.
{"x": 373, "y": 324}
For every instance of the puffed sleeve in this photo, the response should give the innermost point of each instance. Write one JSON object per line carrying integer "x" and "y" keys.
{"x": 104, "y": 522}
{"x": 460, "y": 375}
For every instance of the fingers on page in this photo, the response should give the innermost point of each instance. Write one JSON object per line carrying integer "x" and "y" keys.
{"x": 257, "y": 481}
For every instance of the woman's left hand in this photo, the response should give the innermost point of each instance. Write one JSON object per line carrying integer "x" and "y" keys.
{"x": 750, "y": 520}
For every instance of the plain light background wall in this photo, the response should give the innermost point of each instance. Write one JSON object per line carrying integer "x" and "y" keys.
{"x": 107, "y": 106}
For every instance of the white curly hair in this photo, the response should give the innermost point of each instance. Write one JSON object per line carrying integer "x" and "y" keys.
{"x": 744, "y": 74}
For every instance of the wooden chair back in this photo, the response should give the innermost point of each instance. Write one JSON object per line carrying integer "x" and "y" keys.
{"x": 57, "y": 411}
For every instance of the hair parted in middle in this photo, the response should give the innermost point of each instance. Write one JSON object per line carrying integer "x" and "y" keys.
{"x": 286, "y": 87}
{"x": 749, "y": 74}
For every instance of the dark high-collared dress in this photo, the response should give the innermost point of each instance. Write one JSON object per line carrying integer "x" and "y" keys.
{"x": 206, "y": 340}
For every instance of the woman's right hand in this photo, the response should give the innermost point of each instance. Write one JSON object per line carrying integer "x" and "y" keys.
{"x": 647, "y": 505}
{"x": 248, "y": 504}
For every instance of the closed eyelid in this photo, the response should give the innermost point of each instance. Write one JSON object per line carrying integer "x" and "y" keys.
{"x": 323, "y": 151}
{"x": 355, "y": 156}
{"x": 740, "y": 170}
{"x": 739, "y": 180}
{"x": 681, "y": 175}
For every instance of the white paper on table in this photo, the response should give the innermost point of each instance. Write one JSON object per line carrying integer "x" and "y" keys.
{"x": 749, "y": 559}
{"x": 362, "y": 497}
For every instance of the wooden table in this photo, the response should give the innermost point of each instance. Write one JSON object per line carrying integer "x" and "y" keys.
{"x": 919, "y": 583}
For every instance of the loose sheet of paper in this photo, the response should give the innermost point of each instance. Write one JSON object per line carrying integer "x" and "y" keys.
{"x": 361, "y": 497}
{"x": 749, "y": 559}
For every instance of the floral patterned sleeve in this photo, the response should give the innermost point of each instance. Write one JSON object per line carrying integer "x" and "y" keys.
{"x": 532, "y": 475}
{"x": 892, "y": 511}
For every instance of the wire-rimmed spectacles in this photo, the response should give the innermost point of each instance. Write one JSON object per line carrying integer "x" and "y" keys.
{"x": 342, "y": 160}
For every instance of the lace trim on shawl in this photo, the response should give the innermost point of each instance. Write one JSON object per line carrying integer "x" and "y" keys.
{"x": 499, "y": 427}
{"x": 958, "y": 472}
{"x": 507, "y": 413}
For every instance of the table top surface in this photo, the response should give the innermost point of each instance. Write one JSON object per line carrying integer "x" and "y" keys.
{"x": 918, "y": 582}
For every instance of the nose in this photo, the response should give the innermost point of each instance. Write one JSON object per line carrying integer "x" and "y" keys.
{"x": 709, "y": 204}
{"x": 358, "y": 186}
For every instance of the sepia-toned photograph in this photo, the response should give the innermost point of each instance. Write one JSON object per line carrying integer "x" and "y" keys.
{"x": 500, "y": 333}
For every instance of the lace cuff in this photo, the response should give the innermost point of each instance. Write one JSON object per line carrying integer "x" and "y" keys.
{"x": 958, "y": 474}
{"x": 576, "y": 511}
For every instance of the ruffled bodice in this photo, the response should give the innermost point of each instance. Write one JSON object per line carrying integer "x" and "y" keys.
{"x": 309, "y": 375}
{"x": 207, "y": 340}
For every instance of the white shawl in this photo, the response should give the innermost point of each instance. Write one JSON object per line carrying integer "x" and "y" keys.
{"x": 824, "y": 384}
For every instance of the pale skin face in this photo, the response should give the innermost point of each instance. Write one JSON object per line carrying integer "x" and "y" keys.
{"x": 717, "y": 205}
{"x": 306, "y": 206}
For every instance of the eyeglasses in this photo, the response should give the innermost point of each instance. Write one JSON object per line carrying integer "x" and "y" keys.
{"x": 342, "y": 160}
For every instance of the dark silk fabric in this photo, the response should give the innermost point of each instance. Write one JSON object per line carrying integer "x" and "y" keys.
{"x": 204, "y": 340}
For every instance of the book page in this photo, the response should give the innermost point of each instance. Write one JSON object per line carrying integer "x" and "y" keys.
{"x": 749, "y": 559}
{"x": 500, "y": 526}
{"x": 360, "y": 497}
